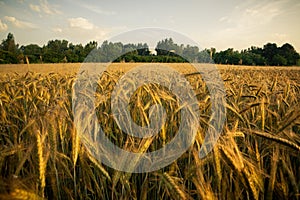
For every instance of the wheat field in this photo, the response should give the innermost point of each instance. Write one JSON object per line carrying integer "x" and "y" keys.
{"x": 256, "y": 156}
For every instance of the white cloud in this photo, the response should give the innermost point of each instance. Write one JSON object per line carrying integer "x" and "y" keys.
{"x": 224, "y": 19}
{"x": 35, "y": 8}
{"x": 280, "y": 37}
{"x": 99, "y": 10}
{"x": 96, "y": 34}
{"x": 248, "y": 22}
{"x": 57, "y": 30}
{"x": 84, "y": 27}
{"x": 44, "y": 7}
{"x": 262, "y": 14}
{"x": 19, "y": 23}
{"x": 3, "y": 26}
{"x": 79, "y": 27}
{"x": 47, "y": 8}
{"x": 171, "y": 19}
{"x": 253, "y": 15}
{"x": 81, "y": 23}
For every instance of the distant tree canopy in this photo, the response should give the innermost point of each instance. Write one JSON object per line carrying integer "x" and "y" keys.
{"x": 167, "y": 50}
{"x": 9, "y": 50}
{"x": 270, "y": 54}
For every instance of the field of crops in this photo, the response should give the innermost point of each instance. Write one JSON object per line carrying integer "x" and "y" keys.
{"x": 256, "y": 156}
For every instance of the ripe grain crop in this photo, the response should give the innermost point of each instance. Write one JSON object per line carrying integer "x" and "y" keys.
{"x": 256, "y": 157}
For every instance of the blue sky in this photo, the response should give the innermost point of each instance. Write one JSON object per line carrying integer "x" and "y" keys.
{"x": 221, "y": 24}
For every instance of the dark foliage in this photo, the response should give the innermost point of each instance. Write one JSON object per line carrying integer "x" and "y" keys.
{"x": 57, "y": 51}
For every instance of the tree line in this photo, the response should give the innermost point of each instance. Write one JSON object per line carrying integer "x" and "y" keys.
{"x": 166, "y": 50}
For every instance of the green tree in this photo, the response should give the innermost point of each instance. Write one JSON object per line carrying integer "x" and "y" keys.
{"x": 250, "y": 58}
{"x": 9, "y": 44}
{"x": 33, "y": 52}
{"x": 75, "y": 53}
{"x": 9, "y": 50}
{"x": 142, "y": 49}
{"x": 128, "y": 48}
{"x": 168, "y": 47}
{"x": 110, "y": 51}
{"x": 256, "y": 50}
{"x": 204, "y": 56}
{"x": 288, "y": 52}
{"x": 55, "y": 51}
{"x": 228, "y": 56}
{"x": 191, "y": 53}
{"x": 279, "y": 60}
{"x": 269, "y": 51}
{"x": 90, "y": 46}
{"x": 91, "y": 52}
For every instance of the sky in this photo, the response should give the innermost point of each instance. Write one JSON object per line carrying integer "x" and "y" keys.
{"x": 237, "y": 24}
